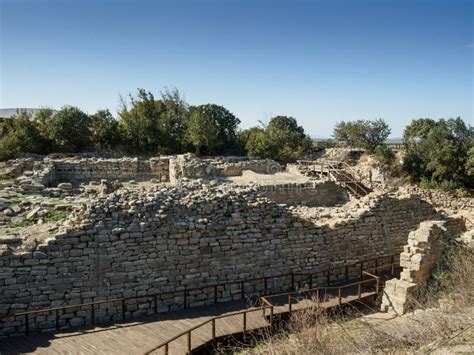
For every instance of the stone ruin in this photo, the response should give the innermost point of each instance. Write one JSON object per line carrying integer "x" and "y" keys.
{"x": 424, "y": 249}
{"x": 144, "y": 226}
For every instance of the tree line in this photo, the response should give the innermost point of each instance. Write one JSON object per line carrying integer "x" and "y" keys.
{"x": 147, "y": 125}
{"x": 437, "y": 153}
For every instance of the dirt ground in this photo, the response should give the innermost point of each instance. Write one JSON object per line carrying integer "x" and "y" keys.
{"x": 250, "y": 177}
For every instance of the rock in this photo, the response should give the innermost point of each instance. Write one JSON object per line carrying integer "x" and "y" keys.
{"x": 32, "y": 186}
{"x": 33, "y": 213}
{"x": 8, "y": 212}
{"x": 11, "y": 239}
{"x": 17, "y": 209}
{"x": 65, "y": 186}
{"x": 39, "y": 255}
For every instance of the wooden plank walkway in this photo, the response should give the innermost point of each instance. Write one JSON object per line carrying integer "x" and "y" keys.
{"x": 136, "y": 335}
{"x": 139, "y": 335}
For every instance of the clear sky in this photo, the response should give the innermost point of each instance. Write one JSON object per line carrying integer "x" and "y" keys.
{"x": 318, "y": 61}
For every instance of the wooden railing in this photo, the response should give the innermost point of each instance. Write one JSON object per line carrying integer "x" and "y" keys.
{"x": 316, "y": 293}
{"x": 188, "y": 333}
{"x": 154, "y": 298}
{"x": 335, "y": 172}
{"x": 267, "y": 304}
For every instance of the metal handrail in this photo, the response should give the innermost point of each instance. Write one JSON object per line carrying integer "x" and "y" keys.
{"x": 186, "y": 291}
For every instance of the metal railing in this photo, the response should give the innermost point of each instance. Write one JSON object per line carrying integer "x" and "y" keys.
{"x": 294, "y": 277}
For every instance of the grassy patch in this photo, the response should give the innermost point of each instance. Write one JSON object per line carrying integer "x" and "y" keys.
{"x": 55, "y": 217}
{"x": 21, "y": 224}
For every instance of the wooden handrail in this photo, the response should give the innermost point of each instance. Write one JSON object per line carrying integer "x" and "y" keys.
{"x": 210, "y": 320}
{"x": 266, "y": 305}
{"x": 323, "y": 288}
{"x": 186, "y": 291}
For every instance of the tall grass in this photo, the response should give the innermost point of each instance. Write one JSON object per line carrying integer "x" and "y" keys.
{"x": 314, "y": 331}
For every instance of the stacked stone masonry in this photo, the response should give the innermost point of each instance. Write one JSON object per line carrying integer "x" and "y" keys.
{"x": 424, "y": 249}
{"x": 142, "y": 243}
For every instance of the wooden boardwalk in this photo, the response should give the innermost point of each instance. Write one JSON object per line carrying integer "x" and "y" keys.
{"x": 138, "y": 335}
{"x": 142, "y": 335}
{"x": 133, "y": 336}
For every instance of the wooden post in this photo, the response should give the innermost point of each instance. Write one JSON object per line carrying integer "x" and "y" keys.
{"x": 93, "y": 313}
{"x": 361, "y": 270}
{"x": 189, "y": 342}
{"x": 310, "y": 281}
{"x": 271, "y": 316}
{"x": 213, "y": 324}
{"x": 27, "y": 326}
{"x": 377, "y": 286}
{"x": 123, "y": 308}
{"x": 289, "y": 303}
{"x": 317, "y": 296}
{"x": 339, "y": 294}
{"x": 185, "y": 298}
{"x": 56, "y": 319}
{"x": 359, "y": 291}
{"x": 166, "y": 349}
{"x": 245, "y": 321}
{"x": 376, "y": 266}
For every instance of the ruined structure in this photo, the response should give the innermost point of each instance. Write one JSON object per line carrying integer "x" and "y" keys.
{"x": 424, "y": 249}
{"x": 164, "y": 240}
{"x": 190, "y": 227}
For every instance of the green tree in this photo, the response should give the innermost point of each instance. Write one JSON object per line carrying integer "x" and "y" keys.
{"x": 69, "y": 130}
{"x": 154, "y": 126}
{"x": 173, "y": 120}
{"x": 105, "y": 130}
{"x": 282, "y": 139}
{"x": 202, "y": 132}
{"x": 140, "y": 124}
{"x": 437, "y": 151}
{"x": 287, "y": 140}
{"x": 362, "y": 133}
{"x": 375, "y": 133}
{"x": 227, "y": 125}
{"x": 256, "y": 142}
{"x": 20, "y": 134}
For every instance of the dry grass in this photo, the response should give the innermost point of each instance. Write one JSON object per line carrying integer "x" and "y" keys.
{"x": 445, "y": 317}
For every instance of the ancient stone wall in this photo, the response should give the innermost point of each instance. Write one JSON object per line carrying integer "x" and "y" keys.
{"x": 424, "y": 249}
{"x": 191, "y": 167}
{"x": 141, "y": 243}
{"x": 84, "y": 170}
{"x": 318, "y": 193}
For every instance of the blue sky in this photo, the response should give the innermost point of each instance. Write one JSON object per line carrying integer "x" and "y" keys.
{"x": 318, "y": 61}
